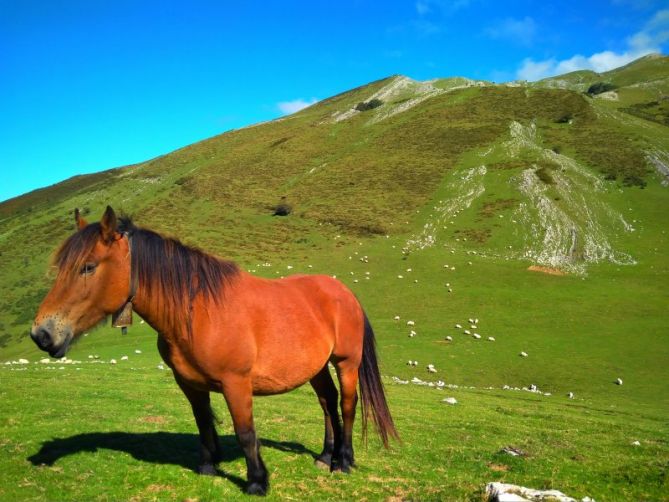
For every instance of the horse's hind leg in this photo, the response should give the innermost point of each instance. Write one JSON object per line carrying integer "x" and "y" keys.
{"x": 347, "y": 373}
{"x": 210, "y": 448}
{"x": 327, "y": 397}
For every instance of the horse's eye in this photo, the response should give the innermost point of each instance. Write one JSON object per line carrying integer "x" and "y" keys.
{"x": 88, "y": 269}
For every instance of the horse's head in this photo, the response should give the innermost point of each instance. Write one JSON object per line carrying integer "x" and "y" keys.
{"x": 93, "y": 282}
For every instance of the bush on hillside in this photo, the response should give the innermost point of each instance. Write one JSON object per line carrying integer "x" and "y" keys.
{"x": 283, "y": 208}
{"x": 599, "y": 88}
{"x": 565, "y": 118}
{"x": 363, "y": 106}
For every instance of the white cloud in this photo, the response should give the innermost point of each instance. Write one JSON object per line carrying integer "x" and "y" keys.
{"x": 517, "y": 30}
{"x": 288, "y": 107}
{"x": 648, "y": 40}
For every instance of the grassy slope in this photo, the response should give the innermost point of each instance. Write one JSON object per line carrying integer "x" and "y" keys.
{"x": 581, "y": 332}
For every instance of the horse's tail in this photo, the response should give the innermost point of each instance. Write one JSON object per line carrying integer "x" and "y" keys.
{"x": 373, "y": 398}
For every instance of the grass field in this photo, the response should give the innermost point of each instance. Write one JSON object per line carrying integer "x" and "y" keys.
{"x": 434, "y": 215}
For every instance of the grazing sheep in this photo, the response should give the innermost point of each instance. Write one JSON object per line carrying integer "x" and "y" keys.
{"x": 491, "y": 338}
{"x": 450, "y": 400}
{"x": 396, "y": 318}
{"x": 449, "y": 338}
{"x": 619, "y": 381}
{"x": 523, "y": 354}
{"x": 410, "y": 323}
{"x": 467, "y": 332}
{"x": 477, "y": 336}
{"x": 570, "y": 395}
{"x": 458, "y": 326}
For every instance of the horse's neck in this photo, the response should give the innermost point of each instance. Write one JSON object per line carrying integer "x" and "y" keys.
{"x": 154, "y": 314}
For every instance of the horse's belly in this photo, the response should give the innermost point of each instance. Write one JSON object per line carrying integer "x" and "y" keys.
{"x": 283, "y": 370}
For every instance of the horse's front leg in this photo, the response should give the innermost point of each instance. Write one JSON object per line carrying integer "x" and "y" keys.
{"x": 210, "y": 448}
{"x": 238, "y": 392}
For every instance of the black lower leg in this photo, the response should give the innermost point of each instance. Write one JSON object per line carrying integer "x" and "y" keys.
{"x": 210, "y": 448}
{"x": 256, "y": 473}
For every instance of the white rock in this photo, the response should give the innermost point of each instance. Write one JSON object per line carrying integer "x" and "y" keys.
{"x": 449, "y": 400}
{"x": 161, "y": 367}
{"x": 503, "y": 492}
{"x": 46, "y": 360}
{"x": 23, "y": 361}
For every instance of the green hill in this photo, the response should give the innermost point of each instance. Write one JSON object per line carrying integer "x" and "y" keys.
{"x": 431, "y": 200}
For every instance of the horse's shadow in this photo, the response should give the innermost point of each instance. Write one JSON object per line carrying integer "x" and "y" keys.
{"x": 154, "y": 447}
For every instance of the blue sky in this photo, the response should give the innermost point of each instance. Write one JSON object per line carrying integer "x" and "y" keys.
{"x": 90, "y": 85}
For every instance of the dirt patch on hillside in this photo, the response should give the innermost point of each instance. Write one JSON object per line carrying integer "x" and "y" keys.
{"x": 545, "y": 270}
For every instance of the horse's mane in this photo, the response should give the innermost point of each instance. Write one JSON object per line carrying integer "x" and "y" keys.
{"x": 170, "y": 273}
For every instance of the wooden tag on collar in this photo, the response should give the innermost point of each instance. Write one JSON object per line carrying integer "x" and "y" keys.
{"x": 123, "y": 317}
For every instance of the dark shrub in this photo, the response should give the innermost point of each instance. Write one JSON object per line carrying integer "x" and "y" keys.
{"x": 599, "y": 88}
{"x": 632, "y": 180}
{"x": 363, "y": 106}
{"x": 283, "y": 208}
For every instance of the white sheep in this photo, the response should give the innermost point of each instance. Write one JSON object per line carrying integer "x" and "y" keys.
{"x": 491, "y": 338}
{"x": 467, "y": 332}
{"x": 396, "y": 318}
{"x": 449, "y": 338}
{"x": 477, "y": 336}
{"x": 458, "y": 326}
{"x": 410, "y": 323}
{"x": 523, "y": 354}
{"x": 619, "y": 381}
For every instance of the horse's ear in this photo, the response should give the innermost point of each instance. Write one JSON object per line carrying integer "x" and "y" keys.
{"x": 108, "y": 224}
{"x": 81, "y": 223}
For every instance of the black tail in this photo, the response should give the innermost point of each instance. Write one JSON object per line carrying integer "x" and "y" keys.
{"x": 373, "y": 398}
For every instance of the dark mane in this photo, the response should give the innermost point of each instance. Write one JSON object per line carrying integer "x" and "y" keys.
{"x": 169, "y": 272}
{"x": 174, "y": 274}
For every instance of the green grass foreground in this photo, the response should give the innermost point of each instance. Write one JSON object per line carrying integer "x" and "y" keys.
{"x": 124, "y": 432}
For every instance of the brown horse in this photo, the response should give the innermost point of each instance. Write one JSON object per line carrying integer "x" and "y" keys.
{"x": 221, "y": 329}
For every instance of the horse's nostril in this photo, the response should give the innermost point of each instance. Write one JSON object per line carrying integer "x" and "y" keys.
{"x": 42, "y": 337}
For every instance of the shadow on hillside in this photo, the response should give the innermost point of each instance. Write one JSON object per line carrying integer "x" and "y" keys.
{"x": 154, "y": 447}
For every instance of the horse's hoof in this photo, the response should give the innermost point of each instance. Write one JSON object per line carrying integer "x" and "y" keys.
{"x": 345, "y": 469}
{"x": 256, "y": 488}
{"x": 206, "y": 470}
{"x": 322, "y": 465}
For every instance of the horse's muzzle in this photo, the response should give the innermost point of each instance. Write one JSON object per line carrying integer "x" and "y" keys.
{"x": 46, "y": 340}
